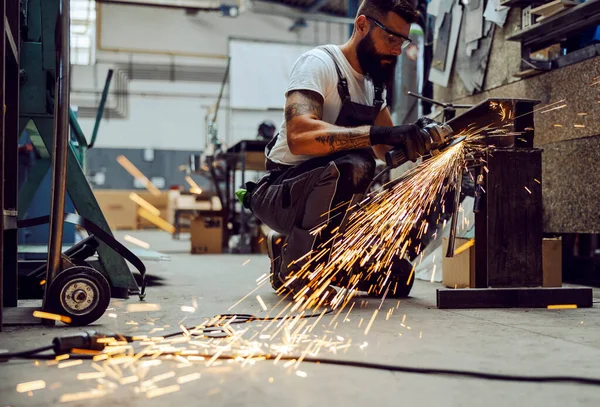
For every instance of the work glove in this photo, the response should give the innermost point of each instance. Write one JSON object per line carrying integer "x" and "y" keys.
{"x": 425, "y": 121}
{"x": 414, "y": 141}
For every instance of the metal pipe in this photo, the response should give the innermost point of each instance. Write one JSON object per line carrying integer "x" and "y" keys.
{"x": 435, "y": 102}
{"x": 223, "y": 82}
{"x": 452, "y": 237}
{"x": 101, "y": 107}
{"x": 266, "y": 8}
{"x": 61, "y": 140}
{"x": 157, "y": 4}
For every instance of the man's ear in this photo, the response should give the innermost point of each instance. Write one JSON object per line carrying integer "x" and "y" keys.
{"x": 361, "y": 25}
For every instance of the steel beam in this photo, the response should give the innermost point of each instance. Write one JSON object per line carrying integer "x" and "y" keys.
{"x": 471, "y": 298}
{"x": 267, "y": 8}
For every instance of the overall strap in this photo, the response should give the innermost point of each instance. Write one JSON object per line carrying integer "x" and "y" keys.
{"x": 342, "y": 82}
{"x": 378, "y": 99}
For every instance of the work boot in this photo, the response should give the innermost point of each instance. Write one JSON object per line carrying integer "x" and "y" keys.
{"x": 275, "y": 243}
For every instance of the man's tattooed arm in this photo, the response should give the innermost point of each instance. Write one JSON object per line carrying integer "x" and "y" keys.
{"x": 308, "y": 134}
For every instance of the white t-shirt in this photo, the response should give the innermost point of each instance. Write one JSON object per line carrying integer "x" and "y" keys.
{"x": 315, "y": 71}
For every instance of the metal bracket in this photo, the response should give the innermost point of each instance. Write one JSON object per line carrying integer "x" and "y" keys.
{"x": 10, "y": 219}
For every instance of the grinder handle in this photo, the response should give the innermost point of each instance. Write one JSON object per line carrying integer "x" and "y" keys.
{"x": 395, "y": 158}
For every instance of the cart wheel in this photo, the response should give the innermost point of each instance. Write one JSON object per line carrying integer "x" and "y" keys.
{"x": 80, "y": 293}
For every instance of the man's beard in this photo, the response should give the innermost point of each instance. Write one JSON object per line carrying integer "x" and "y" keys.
{"x": 371, "y": 62}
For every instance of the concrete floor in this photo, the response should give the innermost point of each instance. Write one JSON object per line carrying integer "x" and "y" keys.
{"x": 527, "y": 342}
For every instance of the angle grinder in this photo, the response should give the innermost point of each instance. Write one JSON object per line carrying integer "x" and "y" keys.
{"x": 437, "y": 138}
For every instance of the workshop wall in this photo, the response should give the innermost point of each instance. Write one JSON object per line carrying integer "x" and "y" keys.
{"x": 160, "y": 166}
{"x": 504, "y": 61}
{"x": 571, "y": 188}
{"x": 172, "y": 31}
{"x": 170, "y": 67}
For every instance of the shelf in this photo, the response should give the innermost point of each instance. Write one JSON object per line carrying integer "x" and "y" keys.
{"x": 11, "y": 40}
{"x": 520, "y": 3}
{"x": 561, "y": 25}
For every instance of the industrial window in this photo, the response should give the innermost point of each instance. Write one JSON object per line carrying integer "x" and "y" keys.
{"x": 83, "y": 32}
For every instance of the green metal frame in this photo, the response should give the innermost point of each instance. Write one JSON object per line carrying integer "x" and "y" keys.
{"x": 37, "y": 118}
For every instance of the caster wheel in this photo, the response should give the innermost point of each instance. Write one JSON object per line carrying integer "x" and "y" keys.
{"x": 80, "y": 293}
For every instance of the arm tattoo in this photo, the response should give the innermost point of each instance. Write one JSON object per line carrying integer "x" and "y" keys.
{"x": 309, "y": 103}
{"x": 304, "y": 102}
{"x": 347, "y": 139}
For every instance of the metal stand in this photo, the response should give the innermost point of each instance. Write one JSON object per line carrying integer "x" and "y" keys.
{"x": 246, "y": 155}
{"x": 508, "y": 225}
{"x": 61, "y": 143}
{"x": 9, "y": 122}
{"x": 38, "y": 61}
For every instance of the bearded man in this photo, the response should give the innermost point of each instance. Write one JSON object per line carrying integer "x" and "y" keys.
{"x": 336, "y": 122}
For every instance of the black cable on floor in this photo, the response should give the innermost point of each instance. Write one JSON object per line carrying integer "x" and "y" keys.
{"x": 244, "y": 318}
{"x": 394, "y": 368}
{"x": 25, "y": 352}
{"x": 452, "y": 372}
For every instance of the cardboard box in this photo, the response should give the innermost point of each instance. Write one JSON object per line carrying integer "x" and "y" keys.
{"x": 207, "y": 235}
{"x": 459, "y": 271}
{"x": 120, "y": 212}
{"x": 547, "y": 54}
{"x": 552, "y": 262}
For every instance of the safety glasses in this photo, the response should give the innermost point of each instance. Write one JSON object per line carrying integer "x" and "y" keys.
{"x": 393, "y": 39}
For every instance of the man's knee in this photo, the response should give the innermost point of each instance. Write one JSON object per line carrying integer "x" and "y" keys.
{"x": 357, "y": 169}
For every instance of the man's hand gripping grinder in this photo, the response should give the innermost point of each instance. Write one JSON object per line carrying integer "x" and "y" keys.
{"x": 437, "y": 138}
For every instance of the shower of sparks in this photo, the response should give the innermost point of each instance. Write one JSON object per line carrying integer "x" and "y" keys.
{"x": 138, "y": 175}
{"x": 143, "y": 307}
{"x": 383, "y": 227}
{"x": 92, "y": 394}
{"x": 194, "y": 188}
{"x": 136, "y": 241}
{"x": 368, "y": 328}
{"x": 91, "y": 375}
{"x": 261, "y": 302}
{"x": 144, "y": 204}
{"x": 31, "y": 386}
{"x": 55, "y": 317}
{"x": 563, "y": 306}
{"x": 156, "y": 220}
{"x": 188, "y": 378}
{"x": 70, "y": 363}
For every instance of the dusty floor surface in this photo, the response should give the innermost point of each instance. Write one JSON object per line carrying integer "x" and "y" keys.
{"x": 519, "y": 341}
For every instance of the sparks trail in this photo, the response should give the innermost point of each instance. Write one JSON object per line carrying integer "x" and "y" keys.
{"x": 389, "y": 223}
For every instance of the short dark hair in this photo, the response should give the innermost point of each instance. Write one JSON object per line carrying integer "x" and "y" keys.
{"x": 379, "y": 8}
